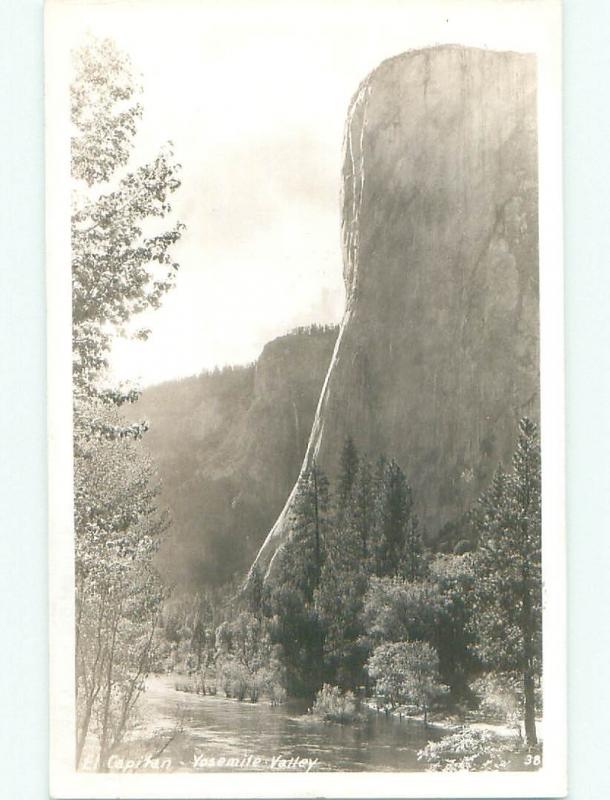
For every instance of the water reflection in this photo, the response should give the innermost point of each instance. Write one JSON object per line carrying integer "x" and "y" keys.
{"x": 214, "y": 729}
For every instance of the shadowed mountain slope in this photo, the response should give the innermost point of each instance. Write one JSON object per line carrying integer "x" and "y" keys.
{"x": 228, "y": 446}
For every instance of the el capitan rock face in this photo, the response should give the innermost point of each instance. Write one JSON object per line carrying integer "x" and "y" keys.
{"x": 437, "y": 356}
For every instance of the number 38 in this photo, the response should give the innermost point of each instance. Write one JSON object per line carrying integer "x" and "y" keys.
{"x": 533, "y": 760}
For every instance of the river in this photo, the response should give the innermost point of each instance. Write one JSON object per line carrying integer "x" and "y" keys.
{"x": 178, "y": 731}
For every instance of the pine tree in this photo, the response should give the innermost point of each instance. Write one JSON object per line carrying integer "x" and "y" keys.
{"x": 379, "y": 477}
{"x": 309, "y": 526}
{"x": 304, "y": 552}
{"x": 339, "y": 599}
{"x": 254, "y": 591}
{"x": 378, "y": 493}
{"x": 296, "y": 622}
{"x": 363, "y": 508}
{"x": 508, "y": 587}
{"x": 413, "y": 563}
{"x": 395, "y": 504}
{"x": 347, "y": 475}
{"x": 451, "y": 579}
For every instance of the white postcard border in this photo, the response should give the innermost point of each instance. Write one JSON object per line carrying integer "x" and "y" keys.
{"x": 550, "y": 780}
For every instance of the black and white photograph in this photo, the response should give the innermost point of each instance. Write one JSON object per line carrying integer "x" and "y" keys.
{"x": 305, "y": 318}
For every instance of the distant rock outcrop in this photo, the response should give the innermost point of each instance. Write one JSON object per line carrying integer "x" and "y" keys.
{"x": 228, "y": 446}
{"x": 437, "y": 356}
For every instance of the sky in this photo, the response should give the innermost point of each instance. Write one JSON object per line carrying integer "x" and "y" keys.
{"x": 254, "y": 98}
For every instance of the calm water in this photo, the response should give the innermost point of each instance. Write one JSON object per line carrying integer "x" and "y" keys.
{"x": 215, "y": 728}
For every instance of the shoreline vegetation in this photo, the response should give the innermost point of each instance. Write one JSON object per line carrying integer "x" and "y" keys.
{"x": 455, "y": 743}
{"x": 337, "y": 708}
{"x": 363, "y": 611}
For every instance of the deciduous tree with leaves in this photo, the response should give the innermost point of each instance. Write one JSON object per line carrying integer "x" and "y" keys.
{"x": 121, "y": 266}
{"x": 406, "y": 672}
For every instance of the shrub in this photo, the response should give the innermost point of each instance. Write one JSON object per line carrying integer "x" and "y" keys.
{"x": 239, "y": 679}
{"x": 184, "y": 684}
{"x": 470, "y": 750}
{"x": 235, "y": 680}
{"x": 277, "y": 694}
{"x": 331, "y": 705}
{"x": 201, "y": 685}
{"x": 256, "y": 684}
{"x": 223, "y": 680}
{"x": 500, "y": 698}
{"x": 497, "y": 695}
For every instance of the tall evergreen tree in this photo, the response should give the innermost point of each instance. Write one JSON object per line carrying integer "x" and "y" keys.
{"x": 378, "y": 491}
{"x": 296, "y": 622}
{"x": 413, "y": 565}
{"x": 508, "y": 587}
{"x": 339, "y": 599}
{"x": 255, "y": 591}
{"x": 379, "y": 477}
{"x": 347, "y": 475}
{"x": 395, "y": 504}
{"x": 363, "y": 508}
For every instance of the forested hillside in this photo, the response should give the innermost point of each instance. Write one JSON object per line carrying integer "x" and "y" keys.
{"x": 229, "y": 445}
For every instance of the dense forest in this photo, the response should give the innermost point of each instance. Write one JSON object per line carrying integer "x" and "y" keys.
{"x": 357, "y": 604}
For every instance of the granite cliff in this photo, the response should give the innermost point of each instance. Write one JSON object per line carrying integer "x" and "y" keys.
{"x": 437, "y": 354}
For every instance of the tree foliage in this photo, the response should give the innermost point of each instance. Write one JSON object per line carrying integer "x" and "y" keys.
{"x": 121, "y": 264}
{"x": 246, "y": 660}
{"x": 467, "y": 750}
{"x": 507, "y": 565}
{"x": 377, "y": 582}
{"x": 333, "y": 705}
{"x": 337, "y": 545}
{"x": 451, "y": 579}
{"x": 395, "y": 504}
{"x": 347, "y": 476}
{"x": 296, "y": 623}
{"x": 406, "y": 673}
{"x": 434, "y": 610}
{"x": 120, "y": 267}
{"x": 118, "y": 594}
{"x": 410, "y": 624}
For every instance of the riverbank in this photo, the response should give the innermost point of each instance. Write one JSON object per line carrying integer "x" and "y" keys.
{"x": 441, "y": 724}
{"x": 178, "y": 731}
{"x": 448, "y": 724}
{"x": 189, "y": 732}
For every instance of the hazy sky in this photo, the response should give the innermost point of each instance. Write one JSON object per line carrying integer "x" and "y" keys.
{"x": 254, "y": 98}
